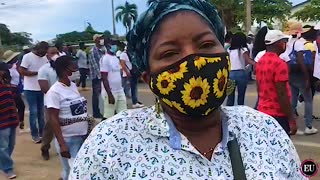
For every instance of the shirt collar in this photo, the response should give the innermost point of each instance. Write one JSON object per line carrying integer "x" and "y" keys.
{"x": 160, "y": 124}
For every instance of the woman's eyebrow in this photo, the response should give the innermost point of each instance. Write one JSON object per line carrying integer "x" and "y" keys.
{"x": 201, "y": 35}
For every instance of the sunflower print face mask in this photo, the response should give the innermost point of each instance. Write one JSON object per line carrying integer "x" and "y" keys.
{"x": 194, "y": 86}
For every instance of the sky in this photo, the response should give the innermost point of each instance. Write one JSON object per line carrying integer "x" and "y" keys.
{"x": 44, "y": 19}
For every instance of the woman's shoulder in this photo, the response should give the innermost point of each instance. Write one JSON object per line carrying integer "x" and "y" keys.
{"x": 241, "y": 118}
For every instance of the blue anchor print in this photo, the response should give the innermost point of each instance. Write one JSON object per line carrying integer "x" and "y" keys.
{"x": 154, "y": 160}
{"x": 93, "y": 176}
{"x": 143, "y": 174}
{"x": 199, "y": 173}
{"x": 171, "y": 172}
{"x": 109, "y": 132}
{"x": 264, "y": 175}
{"x": 139, "y": 149}
{"x": 259, "y": 142}
{"x": 165, "y": 149}
{"x": 86, "y": 160}
{"x": 181, "y": 161}
{"x": 153, "y": 128}
{"x": 286, "y": 152}
{"x": 269, "y": 122}
{"x": 101, "y": 152}
{"x": 123, "y": 141}
{"x": 269, "y": 161}
{"x": 119, "y": 120}
{"x": 126, "y": 166}
{"x": 99, "y": 136}
{"x": 113, "y": 154}
{"x": 273, "y": 142}
{"x": 253, "y": 154}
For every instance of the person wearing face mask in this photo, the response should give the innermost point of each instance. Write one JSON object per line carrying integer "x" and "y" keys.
{"x": 112, "y": 91}
{"x": 187, "y": 134}
{"x": 95, "y": 55}
{"x": 47, "y": 76}
{"x": 273, "y": 74}
{"x": 30, "y": 65}
{"x": 67, "y": 111}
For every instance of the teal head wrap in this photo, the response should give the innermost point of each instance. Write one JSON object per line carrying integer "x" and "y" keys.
{"x": 139, "y": 37}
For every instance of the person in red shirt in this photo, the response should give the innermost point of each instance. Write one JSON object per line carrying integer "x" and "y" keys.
{"x": 272, "y": 76}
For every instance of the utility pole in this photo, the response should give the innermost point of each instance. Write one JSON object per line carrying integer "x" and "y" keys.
{"x": 248, "y": 15}
{"x": 113, "y": 20}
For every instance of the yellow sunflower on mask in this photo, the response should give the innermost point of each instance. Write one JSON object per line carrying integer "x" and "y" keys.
{"x": 196, "y": 92}
{"x": 199, "y": 62}
{"x": 178, "y": 107}
{"x": 220, "y": 83}
{"x": 165, "y": 83}
{"x": 208, "y": 111}
{"x": 229, "y": 63}
{"x": 213, "y": 60}
{"x": 167, "y": 102}
{"x": 177, "y": 73}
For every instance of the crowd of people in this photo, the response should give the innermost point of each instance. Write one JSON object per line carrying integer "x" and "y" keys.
{"x": 47, "y": 77}
{"x": 192, "y": 70}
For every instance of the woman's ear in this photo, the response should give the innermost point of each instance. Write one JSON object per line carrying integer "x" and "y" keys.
{"x": 146, "y": 77}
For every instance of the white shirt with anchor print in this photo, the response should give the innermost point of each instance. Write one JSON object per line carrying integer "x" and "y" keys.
{"x": 140, "y": 144}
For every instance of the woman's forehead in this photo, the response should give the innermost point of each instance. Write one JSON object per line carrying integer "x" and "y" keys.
{"x": 180, "y": 23}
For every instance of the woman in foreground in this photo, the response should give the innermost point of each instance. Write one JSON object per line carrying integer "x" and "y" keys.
{"x": 187, "y": 134}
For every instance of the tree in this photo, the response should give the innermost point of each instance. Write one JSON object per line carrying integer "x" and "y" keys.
{"x": 127, "y": 14}
{"x": 310, "y": 12}
{"x": 9, "y": 38}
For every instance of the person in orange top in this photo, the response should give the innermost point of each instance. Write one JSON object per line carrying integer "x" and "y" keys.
{"x": 273, "y": 82}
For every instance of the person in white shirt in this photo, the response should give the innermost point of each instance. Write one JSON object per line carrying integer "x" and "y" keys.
{"x": 126, "y": 66}
{"x": 67, "y": 111}
{"x": 30, "y": 65}
{"x": 47, "y": 76}
{"x": 83, "y": 65}
{"x": 239, "y": 56}
{"x": 112, "y": 91}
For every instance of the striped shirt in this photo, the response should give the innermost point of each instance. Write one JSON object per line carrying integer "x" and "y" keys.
{"x": 8, "y": 111}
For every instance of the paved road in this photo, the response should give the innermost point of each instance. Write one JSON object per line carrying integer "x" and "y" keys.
{"x": 30, "y": 166}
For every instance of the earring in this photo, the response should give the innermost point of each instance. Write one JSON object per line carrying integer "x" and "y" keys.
{"x": 157, "y": 106}
{"x": 231, "y": 85}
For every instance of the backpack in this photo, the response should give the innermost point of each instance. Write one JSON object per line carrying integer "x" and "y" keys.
{"x": 293, "y": 63}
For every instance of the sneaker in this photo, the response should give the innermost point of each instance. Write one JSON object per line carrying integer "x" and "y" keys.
{"x": 310, "y": 131}
{"x": 300, "y": 133}
{"x": 135, "y": 106}
{"x": 45, "y": 155}
{"x": 11, "y": 175}
{"x": 315, "y": 117}
{"x": 36, "y": 140}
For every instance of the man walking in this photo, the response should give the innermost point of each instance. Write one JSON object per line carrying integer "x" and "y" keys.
{"x": 273, "y": 82}
{"x": 83, "y": 65}
{"x": 301, "y": 63}
{"x": 47, "y": 76}
{"x": 115, "y": 98}
{"x": 126, "y": 75}
{"x": 30, "y": 65}
{"x": 96, "y": 54}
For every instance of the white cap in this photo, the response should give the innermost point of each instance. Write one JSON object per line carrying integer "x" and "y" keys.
{"x": 274, "y": 36}
{"x": 317, "y": 27}
{"x": 25, "y": 47}
{"x": 97, "y": 36}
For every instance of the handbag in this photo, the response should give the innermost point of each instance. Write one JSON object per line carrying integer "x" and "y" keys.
{"x": 236, "y": 160}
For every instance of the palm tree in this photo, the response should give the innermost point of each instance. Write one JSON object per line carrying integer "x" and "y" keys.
{"x": 127, "y": 14}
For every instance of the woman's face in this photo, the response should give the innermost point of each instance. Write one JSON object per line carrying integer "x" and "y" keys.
{"x": 178, "y": 36}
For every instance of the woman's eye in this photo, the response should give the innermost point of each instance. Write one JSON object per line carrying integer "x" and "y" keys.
{"x": 207, "y": 45}
{"x": 168, "y": 54}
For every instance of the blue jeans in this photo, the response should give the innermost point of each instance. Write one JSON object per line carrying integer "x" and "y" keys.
{"x": 7, "y": 142}
{"x": 74, "y": 144}
{"x": 96, "y": 91}
{"x": 36, "y": 108}
{"x": 134, "y": 89}
{"x": 241, "y": 79}
{"x": 126, "y": 86}
{"x": 298, "y": 87}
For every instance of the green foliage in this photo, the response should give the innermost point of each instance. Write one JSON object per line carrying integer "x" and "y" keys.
{"x": 9, "y": 38}
{"x": 310, "y": 12}
{"x": 85, "y": 36}
{"x": 233, "y": 11}
{"x": 127, "y": 14}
